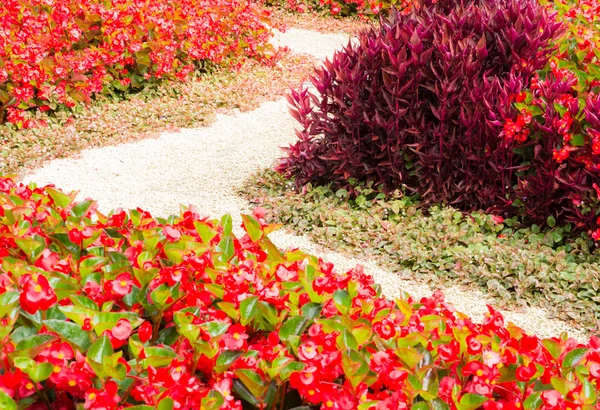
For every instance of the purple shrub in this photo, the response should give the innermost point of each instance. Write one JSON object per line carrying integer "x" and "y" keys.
{"x": 420, "y": 103}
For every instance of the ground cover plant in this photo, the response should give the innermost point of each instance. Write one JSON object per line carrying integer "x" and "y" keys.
{"x": 62, "y": 52}
{"x": 476, "y": 104}
{"x": 129, "y": 311}
{"x": 442, "y": 246}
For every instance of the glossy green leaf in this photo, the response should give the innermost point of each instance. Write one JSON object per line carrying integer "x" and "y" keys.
{"x": 226, "y": 359}
{"x": 6, "y": 402}
{"x": 471, "y": 401}
{"x": 342, "y": 301}
{"x": 573, "y": 358}
{"x": 252, "y": 381}
{"x": 70, "y": 332}
{"x": 248, "y": 309}
{"x": 252, "y": 226}
{"x": 100, "y": 349}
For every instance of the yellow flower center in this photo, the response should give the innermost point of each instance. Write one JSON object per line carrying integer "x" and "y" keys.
{"x": 236, "y": 336}
{"x": 56, "y": 369}
{"x": 329, "y": 403}
{"x": 479, "y": 373}
{"x": 123, "y": 283}
{"x": 37, "y": 288}
{"x": 311, "y": 392}
{"x": 29, "y": 386}
{"x": 309, "y": 350}
{"x": 308, "y": 375}
{"x": 72, "y": 383}
{"x": 61, "y": 355}
{"x": 92, "y": 396}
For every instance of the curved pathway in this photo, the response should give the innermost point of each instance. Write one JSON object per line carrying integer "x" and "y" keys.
{"x": 204, "y": 166}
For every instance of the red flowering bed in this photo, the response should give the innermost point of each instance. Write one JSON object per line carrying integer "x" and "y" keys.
{"x": 129, "y": 311}
{"x": 55, "y": 52}
{"x": 361, "y": 8}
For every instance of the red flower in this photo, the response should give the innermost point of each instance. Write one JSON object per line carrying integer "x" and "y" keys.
{"x": 385, "y": 329}
{"x": 102, "y": 400}
{"x": 119, "y": 334}
{"x": 449, "y": 352}
{"x": 121, "y": 286}
{"x": 525, "y": 373}
{"x": 37, "y": 294}
{"x": 145, "y": 332}
{"x": 553, "y": 400}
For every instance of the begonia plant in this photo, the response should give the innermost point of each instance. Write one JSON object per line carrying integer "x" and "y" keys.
{"x": 131, "y": 311}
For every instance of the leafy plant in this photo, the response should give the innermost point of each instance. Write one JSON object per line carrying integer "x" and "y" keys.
{"x": 541, "y": 266}
{"x": 560, "y": 179}
{"x": 62, "y": 52}
{"x": 128, "y": 311}
{"x": 419, "y": 104}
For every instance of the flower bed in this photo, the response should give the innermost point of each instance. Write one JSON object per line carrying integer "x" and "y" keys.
{"x": 61, "y": 52}
{"x": 129, "y": 311}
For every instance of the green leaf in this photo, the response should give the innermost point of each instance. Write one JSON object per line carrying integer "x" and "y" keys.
{"x": 81, "y": 208}
{"x": 213, "y": 401}
{"x": 24, "y": 363}
{"x": 71, "y": 332}
{"x": 205, "y": 231}
{"x": 248, "y": 309}
{"x": 577, "y": 140}
{"x": 22, "y": 332}
{"x": 252, "y": 381}
{"x": 59, "y": 198}
{"x": 534, "y": 401}
{"x": 252, "y": 226}
{"x": 553, "y": 347}
{"x": 294, "y": 326}
{"x": 158, "y": 356}
{"x": 6, "y": 403}
{"x": 245, "y": 393}
{"x": 563, "y": 386}
{"x": 33, "y": 345}
{"x": 63, "y": 242}
{"x": 311, "y": 310}
{"x": 355, "y": 366}
{"x": 31, "y": 247}
{"x": 166, "y": 404}
{"x": 471, "y": 401}
{"x": 226, "y": 248}
{"x": 551, "y": 221}
{"x": 226, "y": 359}
{"x": 342, "y": 301}
{"x": 92, "y": 264}
{"x": 100, "y": 349}
{"x": 215, "y": 329}
{"x": 227, "y": 224}
{"x": 573, "y": 358}
{"x": 41, "y": 372}
{"x": 346, "y": 340}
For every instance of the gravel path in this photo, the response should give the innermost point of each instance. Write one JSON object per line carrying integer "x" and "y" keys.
{"x": 204, "y": 166}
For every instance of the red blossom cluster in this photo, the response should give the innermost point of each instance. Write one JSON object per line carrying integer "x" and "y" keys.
{"x": 129, "y": 311}
{"x": 559, "y": 144}
{"x": 63, "y": 51}
{"x": 361, "y": 8}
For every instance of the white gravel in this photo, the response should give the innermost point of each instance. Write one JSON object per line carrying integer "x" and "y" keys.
{"x": 203, "y": 167}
